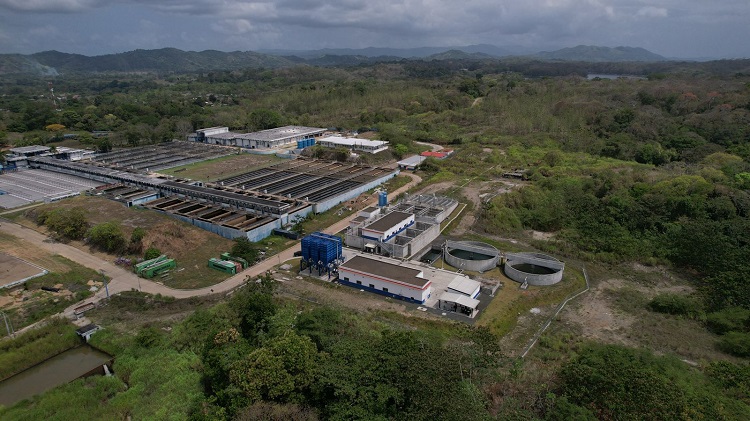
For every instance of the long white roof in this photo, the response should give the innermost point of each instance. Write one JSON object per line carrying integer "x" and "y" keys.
{"x": 464, "y": 285}
{"x": 352, "y": 141}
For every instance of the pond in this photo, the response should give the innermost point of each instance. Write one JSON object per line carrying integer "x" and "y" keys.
{"x": 58, "y": 370}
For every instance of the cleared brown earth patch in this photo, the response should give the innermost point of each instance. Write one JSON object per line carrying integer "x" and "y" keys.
{"x": 190, "y": 246}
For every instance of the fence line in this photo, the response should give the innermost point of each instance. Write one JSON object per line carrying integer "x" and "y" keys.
{"x": 559, "y": 309}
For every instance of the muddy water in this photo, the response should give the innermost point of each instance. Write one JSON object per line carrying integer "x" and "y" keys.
{"x": 56, "y": 371}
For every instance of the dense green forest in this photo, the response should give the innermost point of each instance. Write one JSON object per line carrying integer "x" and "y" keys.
{"x": 259, "y": 357}
{"x": 652, "y": 169}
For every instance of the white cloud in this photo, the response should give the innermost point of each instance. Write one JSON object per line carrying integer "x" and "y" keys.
{"x": 233, "y": 26}
{"x": 254, "y": 24}
{"x": 652, "y": 12}
{"x": 64, "y": 6}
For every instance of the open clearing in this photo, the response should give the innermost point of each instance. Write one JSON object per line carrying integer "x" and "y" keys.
{"x": 28, "y": 304}
{"x": 190, "y": 246}
{"x": 13, "y": 269}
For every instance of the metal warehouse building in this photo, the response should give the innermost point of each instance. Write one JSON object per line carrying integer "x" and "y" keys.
{"x": 264, "y": 139}
{"x": 385, "y": 278}
{"x": 362, "y": 145}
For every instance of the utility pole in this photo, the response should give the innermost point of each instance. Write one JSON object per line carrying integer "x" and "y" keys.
{"x": 104, "y": 279}
{"x": 8, "y": 325}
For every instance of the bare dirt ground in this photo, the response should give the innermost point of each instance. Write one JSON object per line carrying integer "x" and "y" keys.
{"x": 615, "y": 311}
{"x": 13, "y": 269}
{"x": 597, "y": 316}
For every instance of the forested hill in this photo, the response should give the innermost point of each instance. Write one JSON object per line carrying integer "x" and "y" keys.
{"x": 50, "y": 63}
{"x": 591, "y": 53}
{"x": 165, "y": 59}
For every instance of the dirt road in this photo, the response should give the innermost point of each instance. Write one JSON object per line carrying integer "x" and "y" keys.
{"x": 124, "y": 280}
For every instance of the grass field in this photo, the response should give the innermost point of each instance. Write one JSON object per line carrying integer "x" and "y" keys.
{"x": 502, "y": 314}
{"x": 226, "y": 166}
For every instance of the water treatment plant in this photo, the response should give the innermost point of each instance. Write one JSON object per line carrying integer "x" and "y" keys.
{"x": 251, "y": 204}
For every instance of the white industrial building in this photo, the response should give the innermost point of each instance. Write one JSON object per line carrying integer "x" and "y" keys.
{"x": 388, "y": 226}
{"x": 412, "y": 162}
{"x": 354, "y": 144}
{"x": 458, "y": 303}
{"x": 385, "y": 278}
{"x": 465, "y": 286}
{"x": 264, "y": 139}
{"x": 18, "y": 157}
{"x": 402, "y": 229}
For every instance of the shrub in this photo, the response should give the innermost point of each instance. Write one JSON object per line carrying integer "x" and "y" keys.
{"x": 736, "y": 343}
{"x": 108, "y": 237}
{"x": 67, "y": 223}
{"x": 729, "y": 319}
{"x": 151, "y": 253}
{"x": 245, "y": 249}
{"x": 136, "y": 240}
{"x": 682, "y": 305}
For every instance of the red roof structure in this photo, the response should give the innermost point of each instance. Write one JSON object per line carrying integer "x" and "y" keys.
{"x": 442, "y": 154}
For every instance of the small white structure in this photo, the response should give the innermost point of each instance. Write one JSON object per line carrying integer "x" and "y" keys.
{"x": 86, "y": 331}
{"x": 458, "y": 303}
{"x": 73, "y": 154}
{"x": 354, "y": 144}
{"x": 465, "y": 286}
{"x": 369, "y": 212}
{"x": 385, "y": 278}
{"x": 412, "y": 162}
{"x": 388, "y": 226}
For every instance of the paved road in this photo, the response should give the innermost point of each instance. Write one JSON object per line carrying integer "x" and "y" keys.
{"x": 125, "y": 280}
{"x": 434, "y": 147}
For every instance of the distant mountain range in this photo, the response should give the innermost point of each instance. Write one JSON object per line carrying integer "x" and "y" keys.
{"x": 595, "y": 54}
{"x": 174, "y": 60}
{"x": 421, "y": 52}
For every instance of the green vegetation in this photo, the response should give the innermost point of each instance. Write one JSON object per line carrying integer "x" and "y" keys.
{"x": 677, "y": 304}
{"x": 108, "y": 237}
{"x": 252, "y": 351}
{"x": 245, "y": 249}
{"x": 67, "y": 224}
{"x": 654, "y": 171}
{"x": 614, "y": 382}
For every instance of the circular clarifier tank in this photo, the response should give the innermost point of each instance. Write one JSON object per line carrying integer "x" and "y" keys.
{"x": 534, "y": 268}
{"x": 471, "y": 255}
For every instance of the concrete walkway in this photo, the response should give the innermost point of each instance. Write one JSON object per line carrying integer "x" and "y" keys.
{"x": 125, "y": 280}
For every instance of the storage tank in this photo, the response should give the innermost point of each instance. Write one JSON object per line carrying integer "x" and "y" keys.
{"x": 383, "y": 199}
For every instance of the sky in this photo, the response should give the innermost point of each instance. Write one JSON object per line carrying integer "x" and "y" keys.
{"x": 672, "y": 28}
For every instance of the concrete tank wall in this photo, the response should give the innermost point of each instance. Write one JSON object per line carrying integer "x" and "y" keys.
{"x": 472, "y": 265}
{"x": 534, "y": 259}
{"x": 351, "y": 194}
